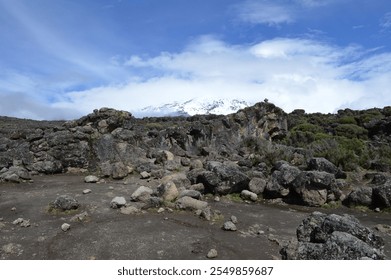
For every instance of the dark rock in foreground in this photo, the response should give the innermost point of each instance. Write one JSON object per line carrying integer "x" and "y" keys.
{"x": 333, "y": 237}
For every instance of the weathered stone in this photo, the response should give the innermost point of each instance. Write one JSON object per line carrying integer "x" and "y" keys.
{"x": 229, "y": 226}
{"x": 188, "y": 203}
{"x": 118, "y": 202}
{"x": 87, "y": 191}
{"x": 141, "y": 194}
{"x": 91, "y": 179}
{"x": 191, "y": 193}
{"x": 247, "y": 195}
{"x": 129, "y": 210}
{"x": 331, "y": 237}
{"x": 119, "y": 170}
{"x": 360, "y": 196}
{"x": 145, "y": 175}
{"x": 234, "y": 219}
{"x": 168, "y": 191}
{"x": 322, "y": 164}
{"x": 196, "y": 164}
{"x": 212, "y": 254}
{"x": 382, "y": 195}
{"x": 65, "y": 227}
{"x": 65, "y": 202}
{"x": 257, "y": 185}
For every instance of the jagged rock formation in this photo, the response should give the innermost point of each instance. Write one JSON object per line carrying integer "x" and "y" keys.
{"x": 110, "y": 142}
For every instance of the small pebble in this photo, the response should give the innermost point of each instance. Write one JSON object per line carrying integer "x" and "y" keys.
{"x": 234, "y": 219}
{"x": 65, "y": 227}
{"x": 160, "y": 210}
{"x": 212, "y": 254}
{"x": 217, "y": 198}
{"x": 17, "y": 221}
{"x": 87, "y": 191}
{"x": 13, "y": 209}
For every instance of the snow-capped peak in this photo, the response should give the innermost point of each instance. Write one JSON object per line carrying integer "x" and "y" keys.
{"x": 196, "y": 106}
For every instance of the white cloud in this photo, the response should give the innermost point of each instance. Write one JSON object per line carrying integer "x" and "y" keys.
{"x": 292, "y": 73}
{"x": 385, "y": 21}
{"x": 265, "y": 12}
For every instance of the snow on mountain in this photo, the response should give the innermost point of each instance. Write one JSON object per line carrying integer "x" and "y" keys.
{"x": 196, "y": 106}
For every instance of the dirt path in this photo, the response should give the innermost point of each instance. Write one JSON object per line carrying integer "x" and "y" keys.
{"x": 107, "y": 234}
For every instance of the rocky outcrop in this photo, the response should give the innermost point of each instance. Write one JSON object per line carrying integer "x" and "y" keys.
{"x": 312, "y": 188}
{"x": 333, "y": 237}
{"x": 113, "y": 143}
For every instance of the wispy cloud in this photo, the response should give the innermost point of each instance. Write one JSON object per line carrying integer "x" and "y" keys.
{"x": 385, "y": 22}
{"x": 265, "y": 12}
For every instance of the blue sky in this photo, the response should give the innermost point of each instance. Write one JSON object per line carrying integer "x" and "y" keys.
{"x": 61, "y": 59}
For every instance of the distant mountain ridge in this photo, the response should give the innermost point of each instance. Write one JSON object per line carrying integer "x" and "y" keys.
{"x": 197, "y": 106}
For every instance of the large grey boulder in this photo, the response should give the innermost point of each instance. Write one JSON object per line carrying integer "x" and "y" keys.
{"x": 257, "y": 185}
{"x": 362, "y": 196}
{"x": 333, "y": 237}
{"x": 322, "y": 164}
{"x": 119, "y": 170}
{"x": 382, "y": 195}
{"x": 168, "y": 191}
{"x": 281, "y": 180}
{"x": 312, "y": 187}
{"x": 223, "y": 178}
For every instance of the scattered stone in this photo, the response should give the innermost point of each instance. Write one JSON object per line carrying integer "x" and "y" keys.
{"x": 217, "y": 199}
{"x": 196, "y": 164}
{"x": 191, "y": 193}
{"x": 18, "y": 221}
{"x": 160, "y": 210}
{"x": 65, "y": 202}
{"x": 141, "y": 194}
{"x": 79, "y": 217}
{"x": 111, "y": 188}
{"x": 25, "y": 223}
{"x": 247, "y": 195}
{"x": 13, "y": 209}
{"x": 145, "y": 175}
{"x": 383, "y": 229}
{"x": 229, "y": 226}
{"x": 377, "y": 210}
{"x": 118, "y": 202}
{"x": 91, "y": 179}
{"x": 65, "y": 227}
{"x": 198, "y": 187}
{"x": 12, "y": 249}
{"x": 168, "y": 191}
{"x": 87, "y": 191}
{"x": 188, "y": 203}
{"x": 129, "y": 210}
{"x": 234, "y": 219}
{"x": 212, "y": 254}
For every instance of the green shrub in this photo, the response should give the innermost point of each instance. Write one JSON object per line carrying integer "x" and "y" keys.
{"x": 351, "y": 131}
{"x": 347, "y": 120}
{"x": 307, "y": 127}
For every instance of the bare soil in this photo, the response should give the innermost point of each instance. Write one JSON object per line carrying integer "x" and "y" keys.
{"x": 108, "y": 234}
